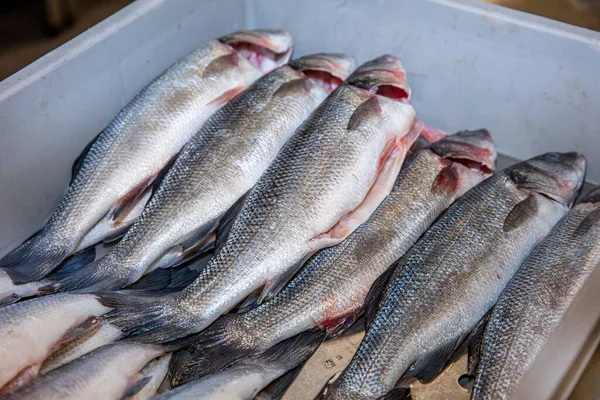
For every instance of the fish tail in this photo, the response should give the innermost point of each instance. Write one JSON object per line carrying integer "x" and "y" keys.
{"x": 164, "y": 281}
{"x": 291, "y": 352}
{"x": 87, "y": 279}
{"x": 215, "y": 348}
{"x": 148, "y": 319}
{"x": 34, "y": 259}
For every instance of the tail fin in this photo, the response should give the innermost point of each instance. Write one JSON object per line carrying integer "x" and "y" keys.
{"x": 215, "y": 348}
{"x": 291, "y": 352}
{"x": 88, "y": 279}
{"x": 147, "y": 318}
{"x": 74, "y": 263}
{"x": 34, "y": 259}
{"x": 277, "y": 388}
{"x": 163, "y": 281}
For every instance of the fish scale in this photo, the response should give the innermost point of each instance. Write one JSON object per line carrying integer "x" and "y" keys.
{"x": 324, "y": 172}
{"x": 330, "y": 289}
{"x": 534, "y": 302}
{"x": 132, "y": 150}
{"x": 443, "y": 286}
{"x": 215, "y": 168}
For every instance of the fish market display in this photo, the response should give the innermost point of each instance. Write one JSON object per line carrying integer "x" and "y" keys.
{"x": 444, "y": 285}
{"x": 535, "y": 300}
{"x": 32, "y": 329}
{"x": 329, "y": 291}
{"x": 111, "y": 372}
{"x": 328, "y": 178}
{"x": 112, "y": 179}
{"x": 214, "y": 170}
{"x": 245, "y": 379}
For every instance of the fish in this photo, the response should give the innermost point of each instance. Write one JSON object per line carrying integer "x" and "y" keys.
{"x": 157, "y": 371}
{"x": 422, "y": 309}
{"x": 97, "y": 336}
{"x": 113, "y": 178}
{"x": 217, "y": 167}
{"x": 276, "y": 389}
{"x": 534, "y": 302}
{"x": 246, "y": 378}
{"x": 111, "y": 372}
{"x": 32, "y": 329}
{"x": 329, "y": 292}
{"x": 328, "y": 178}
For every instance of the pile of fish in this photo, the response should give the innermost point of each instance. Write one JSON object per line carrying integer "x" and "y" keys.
{"x": 254, "y": 206}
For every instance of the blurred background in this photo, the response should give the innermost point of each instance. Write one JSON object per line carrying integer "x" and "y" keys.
{"x": 31, "y": 28}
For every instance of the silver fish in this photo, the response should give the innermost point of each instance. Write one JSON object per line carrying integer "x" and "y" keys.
{"x": 31, "y": 330}
{"x": 535, "y": 300}
{"x": 214, "y": 170}
{"x": 326, "y": 181}
{"x": 444, "y": 285}
{"x": 245, "y": 379}
{"x": 330, "y": 290}
{"x": 112, "y": 178}
{"x": 111, "y": 372}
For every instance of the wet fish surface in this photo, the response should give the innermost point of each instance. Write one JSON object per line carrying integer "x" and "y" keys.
{"x": 112, "y": 179}
{"x": 32, "y": 329}
{"x": 111, "y": 372}
{"x": 330, "y": 290}
{"x": 328, "y": 178}
{"x": 420, "y": 312}
{"x": 214, "y": 170}
{"x": 536, "y": 299}
{"x": 157, "y": 371}
{"x": 245, "y": 379}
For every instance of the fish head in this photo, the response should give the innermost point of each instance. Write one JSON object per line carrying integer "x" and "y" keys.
{"x": 384, "y": 76}
{"x": 473, "y": 149}
{"x": 264, "y": 49}
{"x": 328, "y": 70}
{"x": 467, "y": 157}
{"x": 558, "y": 176}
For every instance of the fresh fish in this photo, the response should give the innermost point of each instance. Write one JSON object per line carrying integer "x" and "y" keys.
{"x": 95, "y": 337}
{"x": 445, "y": 284}
{"x": 325, "y": 182}
{"x": 276, "y": 389}
{"x": 112, "y": 178}
{"x": 156, "y": 370}
{"x": 31, "y": 330}
{"x": 330, "y": 290}
{"x": 245, "y": 379}
{"x": 111, "y": 372}
{"x": 535, "y": 300}
{"x": 214, "y": 170}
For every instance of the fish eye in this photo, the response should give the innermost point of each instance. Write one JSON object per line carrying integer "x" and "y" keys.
{"x": 552, "y": 157}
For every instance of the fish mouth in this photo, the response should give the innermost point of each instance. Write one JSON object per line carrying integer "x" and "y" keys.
{"x": 384, "y": 76}
{"x": 265, "y": 49}
{"x": 328, "y": 70}
{"x": 473, "y": 149}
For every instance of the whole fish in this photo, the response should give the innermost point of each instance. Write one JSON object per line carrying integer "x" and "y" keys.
{"x": 157, "y": 371}
{"x": 445, "y": 284}
{"x": 214, "y": 170}
{"x": 31, "y": 330}
{"x": 112, "y": 179}
{"x": 330, "y": 290}
{"x": 111, "y": 372}
{"x": 328, "y": 178}
{"x": 535, "y": 300}
{"x": 245, "y": 379}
